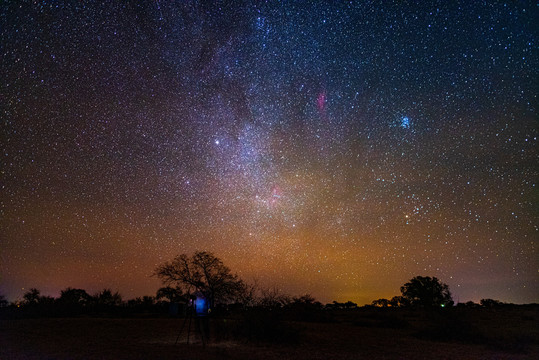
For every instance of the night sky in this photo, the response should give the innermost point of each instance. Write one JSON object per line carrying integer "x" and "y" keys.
{"x": 335, "y": 148}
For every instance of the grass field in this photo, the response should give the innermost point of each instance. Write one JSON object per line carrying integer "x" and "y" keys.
{"x": 351, "y": 334}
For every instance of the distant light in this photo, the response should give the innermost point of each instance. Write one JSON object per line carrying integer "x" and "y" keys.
{"x": 443, "y": 305}
{"x": 216, "y": 142}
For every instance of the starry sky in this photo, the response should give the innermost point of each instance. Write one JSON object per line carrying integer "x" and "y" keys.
{"x": 332, "y": 148}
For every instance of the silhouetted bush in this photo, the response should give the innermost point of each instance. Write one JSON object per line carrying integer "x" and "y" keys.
{"x": 380, "y": 303}
{"x": 73, "y": 302}
{"x": 491, "y": 303}
{"x": 399, "y": 301}
{"x": 171, "y": 294}
{"x": 335, "y": 305}
{"x": 106, "y": 301}
{"x": 306, "y": 308}
{"x": 3, "y": 302}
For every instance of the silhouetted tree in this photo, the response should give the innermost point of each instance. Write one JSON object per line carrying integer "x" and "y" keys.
{"x": 202, "y": 272}
{"x": 381, "y": 303}
{"x": 272, "y": 298}
{"x": 107, "y": 298}
{"x": 490, "y": 303}
{"x": 306, "y": 301}
{"x": 304, "y": 308}
{"x": 3, "y": 301}
{"x": 37, "y": 304}
{"x": 335, "y": 305}
{"x": 247, "y": 295}
{"x": 31, "y": 297}
{"x": 170, "y": 294}
{"x": 427, "y": 291}
{"x": 73, "y": 297}
{"x": 46, "y": 300}
{"x": 145, "y": 303}
{"x": 350, "y": 305}
{"x": 399, "y": 301}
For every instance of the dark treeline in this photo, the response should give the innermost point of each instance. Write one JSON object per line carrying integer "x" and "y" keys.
{"x": 76, "y": 302}
{"x": 170, "y": 301}
{"x": 167, "y": 301}
{"x": 204, "y": 276}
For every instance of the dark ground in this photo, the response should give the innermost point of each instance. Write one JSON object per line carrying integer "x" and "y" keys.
{"x": 347, "y": 334}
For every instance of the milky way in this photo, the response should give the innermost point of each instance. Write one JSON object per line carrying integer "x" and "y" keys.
{"x": 337, "y": 148}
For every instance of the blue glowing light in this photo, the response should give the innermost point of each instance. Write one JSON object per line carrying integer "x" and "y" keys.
{"x": 405, "y": 122}
{"x": 201, "y": 306}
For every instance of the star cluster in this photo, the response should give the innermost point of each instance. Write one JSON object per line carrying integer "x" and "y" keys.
{"x": 334, "y": 148}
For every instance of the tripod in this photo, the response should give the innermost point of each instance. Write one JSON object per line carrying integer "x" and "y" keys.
{"x": 188, "y": 321}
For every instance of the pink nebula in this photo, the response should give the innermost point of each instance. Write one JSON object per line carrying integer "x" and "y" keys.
{"x": 321, "y": 101}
